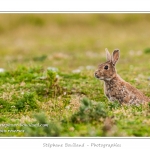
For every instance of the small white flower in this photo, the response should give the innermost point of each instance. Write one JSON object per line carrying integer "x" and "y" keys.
{"x": 57, "y": 76}
{"x": 90, "y": 67}
{"x": 67, "y": 107}
{"x": 52, "y": 69}
{"x": 2, "y": 70}
{"x": 13, "y": 106}
{"x": 76, "y": 71}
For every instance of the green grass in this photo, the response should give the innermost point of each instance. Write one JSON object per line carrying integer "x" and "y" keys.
{"x": 48, "y": 86}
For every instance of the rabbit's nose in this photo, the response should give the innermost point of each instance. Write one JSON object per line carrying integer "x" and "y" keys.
{"x": 96, "y": 75}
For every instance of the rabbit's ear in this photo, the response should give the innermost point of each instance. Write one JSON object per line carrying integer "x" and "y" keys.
{"x": 115, "y": 56}
{"x": 108, "y": 56}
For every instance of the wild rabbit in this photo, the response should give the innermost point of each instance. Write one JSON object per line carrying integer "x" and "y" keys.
{"x": 115, "y": 88}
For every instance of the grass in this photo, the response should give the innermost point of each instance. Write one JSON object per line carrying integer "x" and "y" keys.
{"x": 48, "y": 88}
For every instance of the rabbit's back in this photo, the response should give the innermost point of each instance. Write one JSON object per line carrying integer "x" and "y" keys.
{"x": 118, "y": 89}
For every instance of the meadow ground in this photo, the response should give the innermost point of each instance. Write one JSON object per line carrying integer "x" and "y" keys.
{"x": 48, "y": 87}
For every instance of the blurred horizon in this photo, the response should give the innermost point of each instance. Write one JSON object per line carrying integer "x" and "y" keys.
{"x": 60, "y": 38}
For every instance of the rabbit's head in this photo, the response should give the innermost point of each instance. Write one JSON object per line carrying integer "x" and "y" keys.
{"x": 107, "y": 71}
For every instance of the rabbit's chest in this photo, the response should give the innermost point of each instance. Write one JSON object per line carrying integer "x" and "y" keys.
{"x": 115, "y": 92}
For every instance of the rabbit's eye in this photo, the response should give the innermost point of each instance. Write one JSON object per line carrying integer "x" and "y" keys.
{"x": 106, "y": 67}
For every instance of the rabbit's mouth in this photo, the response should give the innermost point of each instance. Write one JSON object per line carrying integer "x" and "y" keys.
{"x": 100, "y": 78}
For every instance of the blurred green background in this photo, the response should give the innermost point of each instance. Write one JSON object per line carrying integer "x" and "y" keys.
{"x": 71, "y": 40}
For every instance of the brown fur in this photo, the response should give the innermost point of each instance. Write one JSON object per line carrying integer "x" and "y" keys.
{"x": 115, "y": 88}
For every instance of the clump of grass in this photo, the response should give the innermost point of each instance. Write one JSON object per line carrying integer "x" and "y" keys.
{"x": 147, "y": 50}
{"x": 5, "y": 106}
{"x": 27, "y": 102}
{"x": 114, "y": 105}
{"x": 51, "y": 76}
{"x": 44, "y": 127}
{"x": 20, "y": 74}
{"x": 90, "y": 111}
